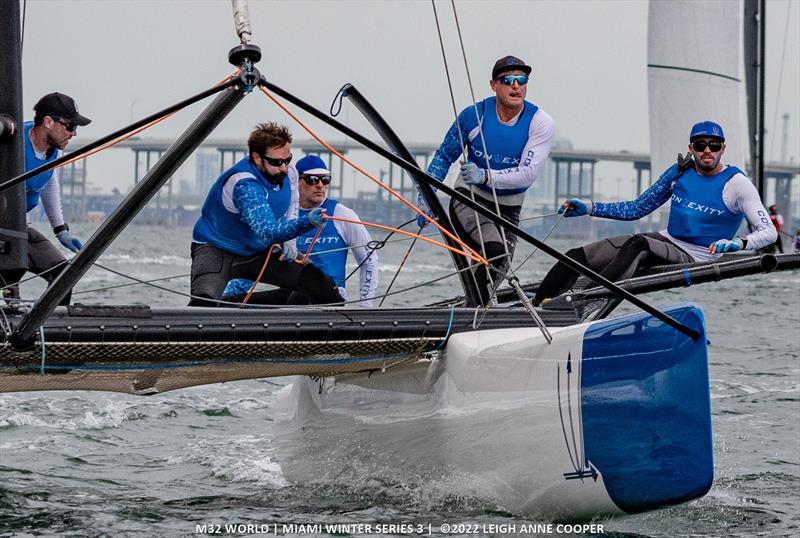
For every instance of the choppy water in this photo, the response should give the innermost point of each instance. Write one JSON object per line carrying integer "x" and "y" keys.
{"x": 97, "y": 464}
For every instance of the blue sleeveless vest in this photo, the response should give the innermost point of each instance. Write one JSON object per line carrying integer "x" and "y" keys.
{"x": 334, "y": 264}
{"x": 35, "y": 185}
{"x": 504, "y": 143}
{"x": 228, "y": 231}
{"x": 697, "y": 212}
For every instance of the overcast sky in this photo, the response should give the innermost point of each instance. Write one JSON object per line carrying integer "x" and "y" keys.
{"x": 126, "y": 59}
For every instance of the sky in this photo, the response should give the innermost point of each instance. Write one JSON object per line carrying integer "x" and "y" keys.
{"x": 122, "y": 60}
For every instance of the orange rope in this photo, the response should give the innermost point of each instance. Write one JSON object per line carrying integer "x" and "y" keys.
{"x": 266, "y": 261}
{"x": 260, "y": 274}
{"x": 311, "y": 246}
{"x": 137, "y": 131}
{"x": 472, "y": 254}
{"x": 474, "y": 258}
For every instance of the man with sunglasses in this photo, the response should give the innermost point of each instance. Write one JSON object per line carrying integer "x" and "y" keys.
{"x": 330, "y": 249}
{"x": 55, "y": 122}
{"x": 506, "y": 141}
{"x": 252, "y": 206}
{"x": 709, "y": 202}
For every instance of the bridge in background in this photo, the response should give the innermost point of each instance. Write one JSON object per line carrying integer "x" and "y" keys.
{"x": 571, "y": 171}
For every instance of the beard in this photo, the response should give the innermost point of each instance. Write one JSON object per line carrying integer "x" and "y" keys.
{"x": 275, "y": 179}
{"x": 707, "y": 166}
{"x": 56, "y": 143}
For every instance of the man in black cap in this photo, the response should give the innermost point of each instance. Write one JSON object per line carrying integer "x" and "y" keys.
{"x": 55, "y": 122}
{"x": 502, "y": 141}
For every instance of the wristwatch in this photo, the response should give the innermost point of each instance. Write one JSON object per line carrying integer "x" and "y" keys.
{"x": 744, "y": 242}
{"x": 60, "y": 228}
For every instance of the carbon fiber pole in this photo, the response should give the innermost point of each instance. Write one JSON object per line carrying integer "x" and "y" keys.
{"x": 497, "y": 219}
{"x": 116, "y": 134}
{"x": 24, "y": 334}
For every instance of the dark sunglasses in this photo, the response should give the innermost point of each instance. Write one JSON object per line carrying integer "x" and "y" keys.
{"x": 68, "y": 125}
{"x": 313, "y": 180}
{"x": 277, "y": 163}
{"x": 713, "y": 145}
{"x": 508, "y": 80}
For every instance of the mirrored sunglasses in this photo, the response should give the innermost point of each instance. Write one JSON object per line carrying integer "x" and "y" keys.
{"x": 713, "y": 145}
{"x": 277, "y": 163}
{"x": 314, "y": 179}
{"x": 508, "y": 80}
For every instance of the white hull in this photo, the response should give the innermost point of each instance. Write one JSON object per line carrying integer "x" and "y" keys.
{"x": 502, "y": 418}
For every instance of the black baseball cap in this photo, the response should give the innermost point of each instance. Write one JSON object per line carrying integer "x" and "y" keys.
{"x": 509, "y": 63}
{"x": 58, "y": 105}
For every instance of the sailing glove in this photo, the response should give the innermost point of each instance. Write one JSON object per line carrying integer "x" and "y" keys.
{"x": 69, "y": 241}
{"x": 726, "y": 245}
{"x": 472, "y": 175}
{"x": 289, "y": 249}
{"x": 317, "y": 217}
{"x": 576, "y": 208}
{"x": 685, "y": 163}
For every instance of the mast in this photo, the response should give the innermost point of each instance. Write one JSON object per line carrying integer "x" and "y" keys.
{"x": 13, "y": 229}
{"x": 754, "y": 58}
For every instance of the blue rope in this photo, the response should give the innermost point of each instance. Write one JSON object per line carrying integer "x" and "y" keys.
{"x": 449, "y": 326}
{"x": 687, "y": 277}
{"x": 41, "y": 339}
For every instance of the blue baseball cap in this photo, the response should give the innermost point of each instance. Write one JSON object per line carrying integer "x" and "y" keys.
{"x": 707, "y": 128}
{"x": 312, "y": 164}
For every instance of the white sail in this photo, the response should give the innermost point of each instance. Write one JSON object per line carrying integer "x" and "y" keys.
{"x": 694, "y": 73}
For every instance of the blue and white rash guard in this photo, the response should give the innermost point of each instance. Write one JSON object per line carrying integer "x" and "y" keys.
{"x": 704, "y": 207}
{"x": 45, "y": 187}
{"x": 330, "y": 250}
{"x": 244, "y": 213}
{"x": 517, "y": 149}
{"x": 330, "y": 254}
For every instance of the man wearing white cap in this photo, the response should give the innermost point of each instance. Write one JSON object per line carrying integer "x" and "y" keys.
{"x": 709, "y": 202}
{"x": 329, "y": 252}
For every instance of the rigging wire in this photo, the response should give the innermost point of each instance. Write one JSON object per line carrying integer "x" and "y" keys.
{"x": 457, "y": 126}
{"x": 472, "y": 257}
{"x": 480, "y": 132}
{"x": 546, "y": 237}
{"x": 139, "y": 130}
{"x": 333, "y": 150}
{"x": 400, "y": 267}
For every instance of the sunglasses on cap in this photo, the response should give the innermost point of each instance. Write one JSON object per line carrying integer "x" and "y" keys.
{"x": 713, "y": 145}
{"x": 277, "y": 163}
{"x": 68, "y": 125}
{"x": 314, "y": 179}
{"x": 508, "y": 80}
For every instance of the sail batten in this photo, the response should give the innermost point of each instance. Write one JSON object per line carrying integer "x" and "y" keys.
{"x": 694, "y": 73}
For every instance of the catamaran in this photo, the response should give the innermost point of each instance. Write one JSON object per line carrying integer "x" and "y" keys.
{"x": 562, "y": 412}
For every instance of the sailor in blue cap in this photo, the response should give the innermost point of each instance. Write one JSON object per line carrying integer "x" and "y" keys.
{"x": 709, "y": 201}
{"x": 330, "y": 249}
{"x": 252, "y": 206}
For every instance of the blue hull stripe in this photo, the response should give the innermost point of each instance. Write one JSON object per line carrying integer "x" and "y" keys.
{"x": 647, "y": 411}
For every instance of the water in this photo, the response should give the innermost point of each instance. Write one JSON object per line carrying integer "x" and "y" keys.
{"x": 101, "y": 464}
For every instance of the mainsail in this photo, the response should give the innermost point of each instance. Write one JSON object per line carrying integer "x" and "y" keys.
{"x": 694, "y": 73}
